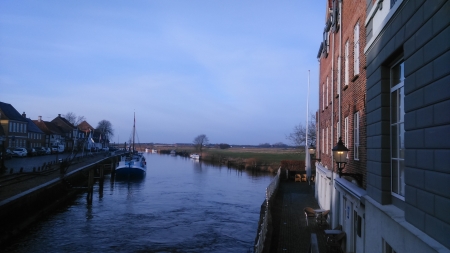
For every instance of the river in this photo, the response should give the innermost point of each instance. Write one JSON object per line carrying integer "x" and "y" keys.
{"x": 180, "y": 206}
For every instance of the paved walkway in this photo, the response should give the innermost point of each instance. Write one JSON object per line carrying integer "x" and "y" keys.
{"x": 290, "y": 231}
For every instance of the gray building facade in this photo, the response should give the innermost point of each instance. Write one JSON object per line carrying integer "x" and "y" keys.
{"x": 408, "y": 126}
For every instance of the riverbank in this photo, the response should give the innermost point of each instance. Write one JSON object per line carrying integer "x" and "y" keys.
{"x": 253, "y": 158}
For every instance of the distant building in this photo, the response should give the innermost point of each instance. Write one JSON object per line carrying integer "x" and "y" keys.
{"x": 14, "y": 126}
{"x": 53, "y": 134}
{"x": 36, "y": 138}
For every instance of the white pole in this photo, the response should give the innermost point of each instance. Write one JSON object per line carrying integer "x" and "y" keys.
{"x": 307, "y": 157}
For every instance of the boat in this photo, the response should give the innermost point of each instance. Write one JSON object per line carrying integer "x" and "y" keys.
{"x": 173, "y": 152}
{"x": 154, "y": 151}
{"x": 195, "y": 156}
{"x": 132, "y": 164}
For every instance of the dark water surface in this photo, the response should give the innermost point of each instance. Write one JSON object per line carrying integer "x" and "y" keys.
{"x": 180, "y": 206}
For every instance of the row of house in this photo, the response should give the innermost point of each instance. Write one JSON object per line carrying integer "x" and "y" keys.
{"x": 16, "y": 130}
{"x": 385, "y": 90}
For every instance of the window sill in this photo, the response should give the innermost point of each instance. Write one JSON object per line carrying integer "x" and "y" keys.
{"x": 355, "y": 77}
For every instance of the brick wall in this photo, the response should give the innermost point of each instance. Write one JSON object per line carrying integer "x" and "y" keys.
{"x": 353, "y": 96}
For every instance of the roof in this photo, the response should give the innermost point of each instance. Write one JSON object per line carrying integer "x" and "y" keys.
{"x": 32, "y": 127}
{"x": 47, "y": 127}
{"x": 63, "y": 123}
{"x": 9, "y": 112}
{"x": 84, "y": 126}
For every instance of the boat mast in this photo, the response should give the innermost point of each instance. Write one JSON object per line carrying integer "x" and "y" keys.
{"x": 134, "y": 128}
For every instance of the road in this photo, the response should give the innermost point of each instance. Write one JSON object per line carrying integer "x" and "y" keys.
{"x": 28, "y": 163}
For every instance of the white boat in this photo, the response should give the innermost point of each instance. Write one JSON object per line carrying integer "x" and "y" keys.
{"x": 154, "y": 151}
{"x": 132, "y": 164}
{"x": 195, "y": 156}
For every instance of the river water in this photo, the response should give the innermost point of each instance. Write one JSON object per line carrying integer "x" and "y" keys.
{"x": 180, "y": 206}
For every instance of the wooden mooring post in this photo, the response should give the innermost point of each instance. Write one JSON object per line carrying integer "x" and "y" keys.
{"x": 90, "y": 191}
{"x": 101, "y": 173}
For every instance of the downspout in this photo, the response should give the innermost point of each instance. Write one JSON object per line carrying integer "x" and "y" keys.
{"x": 318, "y": 150}
{"x": 332, "y": 125}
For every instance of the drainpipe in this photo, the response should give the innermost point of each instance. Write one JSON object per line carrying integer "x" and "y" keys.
{"x": 332, "y": 124}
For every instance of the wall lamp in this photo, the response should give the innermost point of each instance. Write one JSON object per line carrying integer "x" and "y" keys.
{"x": 340, "y": 152}
{"x": 312, "y": 151}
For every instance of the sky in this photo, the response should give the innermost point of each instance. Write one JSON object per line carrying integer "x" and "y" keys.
{"x": 235, "y": 70}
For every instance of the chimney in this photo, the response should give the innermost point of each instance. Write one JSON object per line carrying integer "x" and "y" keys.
{"x": 39, "y": 118}
{"x": 59, "y": 115}
{"x": 24, "y": 115}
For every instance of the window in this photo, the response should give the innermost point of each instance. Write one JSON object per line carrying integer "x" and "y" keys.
{"x": 346, "y": 64}
{"x": 397, "y": 129}
{"x": 356, "y": 136}
{"x": 338, "y": 131}
{"x": 323, "y": 141}
{"x": 356, "y": 50}
{"x": 323, "y": 97}
{"x": 326, "y": 147}
{"x": 327, "y": 91}
{"x": 338, "y": 76}
{"x": 387, "y": 248}
{"x": 346, "y": 131}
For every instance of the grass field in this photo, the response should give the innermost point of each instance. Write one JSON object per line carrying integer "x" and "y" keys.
{"x": 262, "y": 155}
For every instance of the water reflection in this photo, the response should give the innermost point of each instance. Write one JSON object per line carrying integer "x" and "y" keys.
{"x": 180, "y": 206}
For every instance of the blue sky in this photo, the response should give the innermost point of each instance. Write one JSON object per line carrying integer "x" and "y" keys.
{"x": 236, "y": 71}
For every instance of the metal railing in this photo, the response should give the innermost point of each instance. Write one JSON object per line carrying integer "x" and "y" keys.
{"x": 265, "y": 219}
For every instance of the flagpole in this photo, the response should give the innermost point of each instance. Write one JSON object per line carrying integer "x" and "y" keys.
{"x": 307, "y": 157}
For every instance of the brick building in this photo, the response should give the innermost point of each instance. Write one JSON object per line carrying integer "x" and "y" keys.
{"x": 342, "y": 96}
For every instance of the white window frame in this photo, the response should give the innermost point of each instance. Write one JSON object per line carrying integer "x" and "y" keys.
{"x": 323, "y": 139}
{"x": 323, "y": 96}
{"x": 397, "y": 132}
{"x": 356, "y": 136}
{"x": 346, "y": 131}
{"x": 326, "y": 147}
{"x": 328, "y": 94}
{"x": 346, "y": 63}
{"x": 356, "y": 49}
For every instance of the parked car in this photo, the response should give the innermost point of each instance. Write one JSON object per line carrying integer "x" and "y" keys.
{"x": 40, "y": 150}
{"x": 57, "y": 149}
{"x": 48, "y": 150}
{"x": 31, "y": 152}
{"x": 20, "y": 152}
{"x": 8, "y": 151}
{"x": 8, "y": 154}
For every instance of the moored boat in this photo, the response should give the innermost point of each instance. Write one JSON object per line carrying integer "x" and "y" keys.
{"x": 133, "y": 164}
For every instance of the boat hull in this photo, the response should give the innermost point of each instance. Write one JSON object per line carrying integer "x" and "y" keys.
{"x": 130, "y": 172}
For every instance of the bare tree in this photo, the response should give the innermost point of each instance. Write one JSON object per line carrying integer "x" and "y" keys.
{"x": 298, "y": 137}
{"x": 105, "y": 128}
{"x": 73, "y": 119}
{"x": 200, "y": 141}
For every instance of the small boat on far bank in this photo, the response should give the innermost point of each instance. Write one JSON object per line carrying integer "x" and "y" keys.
{"x": 195, "y": 156}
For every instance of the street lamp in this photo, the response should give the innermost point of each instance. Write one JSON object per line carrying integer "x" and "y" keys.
{"x": 340, "y": 152}
{"x": 312, "y": 151}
